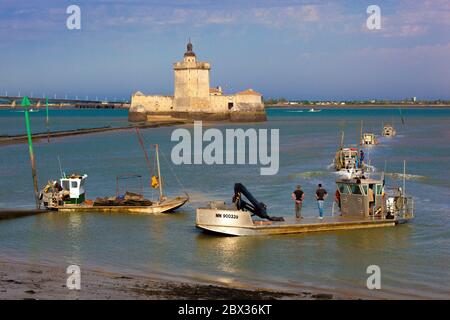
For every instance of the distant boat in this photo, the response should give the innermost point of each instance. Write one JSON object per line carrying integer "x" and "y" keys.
{"x": 368, "y": 139}
{"x": 388, "y": 131}
{"x": 33, "y": 110}
{"x": 314, "y": 110}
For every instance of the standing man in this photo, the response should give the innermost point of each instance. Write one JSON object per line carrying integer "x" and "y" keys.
{"x": 361, "y": 157}
{"x": 337, "y": 198}
{"x": 321, "y": 195}
{"x": 371, "y": 199}
{"x": 298, "y": 195}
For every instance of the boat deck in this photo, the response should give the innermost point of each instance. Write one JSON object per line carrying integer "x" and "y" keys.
{"x": 166, "y": 206}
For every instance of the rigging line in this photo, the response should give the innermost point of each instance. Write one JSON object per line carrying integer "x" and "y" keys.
{"x": 141, "y": 142}
{"x": 173, "y": 172}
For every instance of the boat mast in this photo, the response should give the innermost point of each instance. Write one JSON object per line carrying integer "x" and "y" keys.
{"x": 147, "y": 159}
{"x": 361, "y": 134}
{"x": 404, "y": 178}
{"x": 159, "y": 172}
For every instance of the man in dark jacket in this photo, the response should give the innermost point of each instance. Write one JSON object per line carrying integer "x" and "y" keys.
{"x": 298, "y": 196}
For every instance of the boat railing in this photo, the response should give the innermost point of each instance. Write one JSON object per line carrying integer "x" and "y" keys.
{"x": 404, "y": 207}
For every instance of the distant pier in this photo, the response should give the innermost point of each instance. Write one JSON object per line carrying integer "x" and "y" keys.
{"x": 14, "y": 102}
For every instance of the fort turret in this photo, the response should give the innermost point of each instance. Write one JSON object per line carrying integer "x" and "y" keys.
{"x": 194, "y": 98}
{"x": 191, "y": 85}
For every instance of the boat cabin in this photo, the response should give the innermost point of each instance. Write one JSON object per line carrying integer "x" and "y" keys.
{"x": 388, "y": 131}
{"x": 354, "y": 195}
{"x": 346, "y": 158}
{"x": 368, "y": 139}
{"x": 73, "y": 188}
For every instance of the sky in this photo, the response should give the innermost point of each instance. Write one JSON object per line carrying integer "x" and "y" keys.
{"x": 299, "y": 50}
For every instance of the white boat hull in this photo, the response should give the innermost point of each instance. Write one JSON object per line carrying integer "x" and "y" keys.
{"x": 240, "y": 223}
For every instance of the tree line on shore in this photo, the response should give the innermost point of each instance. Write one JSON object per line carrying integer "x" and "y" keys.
{"x": 279, "y": 101}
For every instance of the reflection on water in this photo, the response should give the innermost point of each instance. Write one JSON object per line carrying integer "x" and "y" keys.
{"x": 413, "y": 258}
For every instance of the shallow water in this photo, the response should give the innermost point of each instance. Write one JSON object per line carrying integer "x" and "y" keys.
{"x": 414, "y": 258}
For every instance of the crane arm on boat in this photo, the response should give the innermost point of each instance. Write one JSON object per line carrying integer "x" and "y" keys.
{"x": 256, "y": 207}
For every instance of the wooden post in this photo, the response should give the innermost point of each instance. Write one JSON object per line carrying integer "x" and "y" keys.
{"x": 26, "y": 104}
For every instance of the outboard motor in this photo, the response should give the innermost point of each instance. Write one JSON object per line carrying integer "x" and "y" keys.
{"x": 255, "y": 207}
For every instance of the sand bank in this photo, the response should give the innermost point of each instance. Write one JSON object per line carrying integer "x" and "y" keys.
{"x": 32, "y": 281}
{"x": 6, "y": 140}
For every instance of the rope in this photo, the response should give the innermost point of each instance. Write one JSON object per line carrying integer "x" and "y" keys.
{"x": 173, "y": 172}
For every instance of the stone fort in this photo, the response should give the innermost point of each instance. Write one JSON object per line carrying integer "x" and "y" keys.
{"x": 194, "y": 98}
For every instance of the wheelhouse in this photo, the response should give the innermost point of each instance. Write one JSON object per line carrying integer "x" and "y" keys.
{"x": 73, "y": 188}
{"x": 367, "y": 198}
{"x": 356, "y": 196}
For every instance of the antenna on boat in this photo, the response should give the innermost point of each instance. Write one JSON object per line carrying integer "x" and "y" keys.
{"x": 63, "y": 175}
{"x": 361, "y": 134}
{"x": 342, "y": 138}
{"x": 46, "y": 120}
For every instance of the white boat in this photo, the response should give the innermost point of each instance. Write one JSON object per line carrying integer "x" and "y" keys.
{"x": 314, "y": 110}
{"x": 243, "y": 219}
{"x": 69, "y": 195}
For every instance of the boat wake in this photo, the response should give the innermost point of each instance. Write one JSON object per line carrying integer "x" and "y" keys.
{"x": 400, "y": 176}
{"x": 22, "y": 111}
{"x": 309, "y": 174}
{"x": 199, "y": 197}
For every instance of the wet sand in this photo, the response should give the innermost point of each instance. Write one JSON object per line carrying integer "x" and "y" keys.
{"x": 20, "y": 281}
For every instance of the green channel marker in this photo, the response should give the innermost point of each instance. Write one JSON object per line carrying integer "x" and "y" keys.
{"x": 26, "y": 103}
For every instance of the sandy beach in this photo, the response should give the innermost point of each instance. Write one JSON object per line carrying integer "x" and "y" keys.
{"x": 19, "y": 281}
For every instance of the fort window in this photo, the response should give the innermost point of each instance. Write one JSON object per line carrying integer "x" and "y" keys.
{"x": 230, "y": 105}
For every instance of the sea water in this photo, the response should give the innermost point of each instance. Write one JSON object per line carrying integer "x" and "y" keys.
{"x": 413, "y": 258}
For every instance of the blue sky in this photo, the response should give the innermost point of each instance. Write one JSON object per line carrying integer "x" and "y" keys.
{"x": 293, "y": 49}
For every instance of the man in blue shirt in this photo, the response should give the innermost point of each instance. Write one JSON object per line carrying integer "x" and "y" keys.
{"x": 321, "y": 195}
